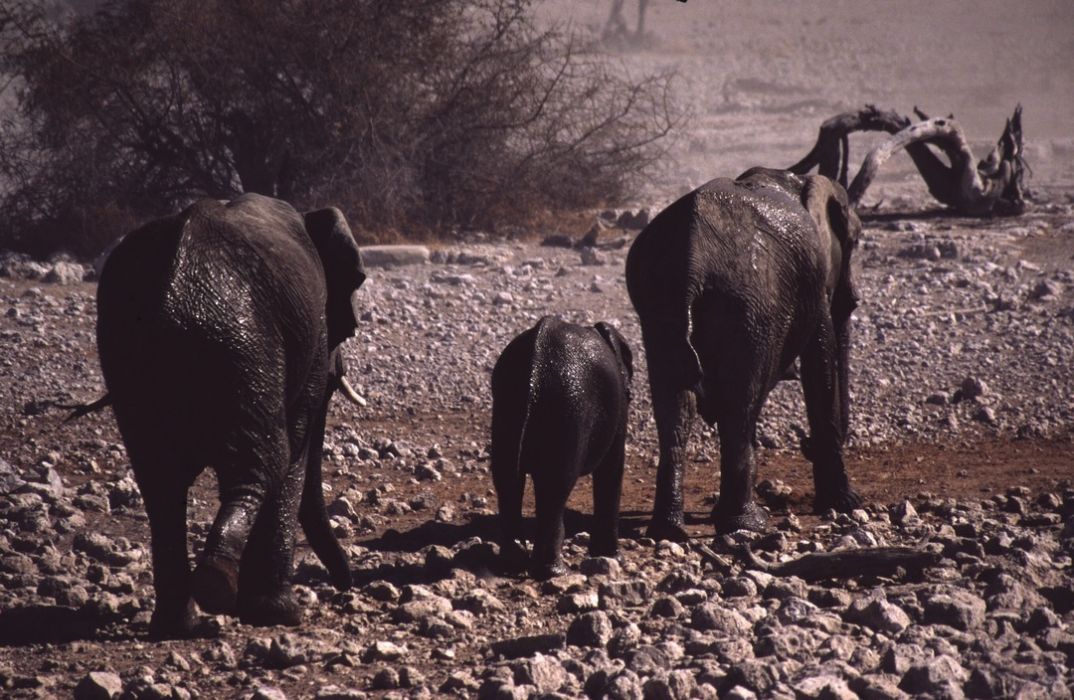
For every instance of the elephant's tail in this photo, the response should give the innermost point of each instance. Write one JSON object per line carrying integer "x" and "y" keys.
{"x": 533, "y": 385}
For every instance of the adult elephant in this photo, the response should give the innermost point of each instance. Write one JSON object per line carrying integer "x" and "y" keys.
{"x": 732, "y": 283}
{"x": 219, "y": 331}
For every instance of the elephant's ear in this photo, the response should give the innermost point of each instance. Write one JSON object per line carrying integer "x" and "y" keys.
{"x": 343, "y": 269}
{"x": 619, "y": 346}
{"x": 828, "y": 205}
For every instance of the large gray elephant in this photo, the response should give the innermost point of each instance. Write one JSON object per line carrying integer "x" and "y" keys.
{"x": 732, "y": 283}
{"x": 219, "y": 331}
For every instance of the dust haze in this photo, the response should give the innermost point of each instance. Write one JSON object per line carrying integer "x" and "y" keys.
{"x": 758, "y": 78}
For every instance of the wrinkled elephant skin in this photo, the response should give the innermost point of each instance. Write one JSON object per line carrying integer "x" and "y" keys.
{"x": 560, "y": 396}
{"x": 218, "y": 331}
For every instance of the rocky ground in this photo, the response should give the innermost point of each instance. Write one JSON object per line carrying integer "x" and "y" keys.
{"x": 962, "y": 440}
{"x": 962, "y": 445}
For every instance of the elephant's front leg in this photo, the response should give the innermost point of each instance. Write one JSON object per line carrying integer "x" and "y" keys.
{"x": 820, "y": 384}
{"x": 673, "y": 408}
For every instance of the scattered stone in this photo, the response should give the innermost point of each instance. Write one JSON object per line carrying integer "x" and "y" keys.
{"x": 381, "y": 256}
{"x": 592, "y": 257}
{"x": 591, "y": 629}
{"x": 956, "y": 608}
{"x": 544, "y": 672}
{"x": 939, "y": 675}
{"x": 600, "y": 566}
{"x": 878, "y": 614}
{"x": 711, "y": 617}
{"x": 65, "y": 273}
{"x": 99, "y": 685}
{"x": 579, "y": 601}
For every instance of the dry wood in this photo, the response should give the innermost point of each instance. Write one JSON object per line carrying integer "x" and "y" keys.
{"x": 875, "y": 561}
{"x": 831, "y": 151}
{"x": 992, "y": 186}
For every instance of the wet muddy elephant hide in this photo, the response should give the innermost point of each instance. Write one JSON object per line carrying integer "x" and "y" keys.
{"x": 218, "y": 332}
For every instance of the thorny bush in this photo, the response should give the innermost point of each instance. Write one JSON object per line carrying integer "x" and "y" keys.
{"x": 424, "y": 115}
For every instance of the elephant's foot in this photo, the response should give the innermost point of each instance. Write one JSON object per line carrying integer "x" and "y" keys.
{"x": 215, "y": 585}
{"x": 843, "y": 501}
{"x": 513, "y": 558}
{"x": 340, "y": 575}
{"x": 666, "y": 530}
{"x": 266, "y": 610}
{"x": 751, "y": 517}
{"x": 603, "y": 547}
{"x": 545, "y": 571}
{"x": 173, "y": 622}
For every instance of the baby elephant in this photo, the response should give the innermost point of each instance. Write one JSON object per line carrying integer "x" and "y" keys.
{"x": 560, "y": 394}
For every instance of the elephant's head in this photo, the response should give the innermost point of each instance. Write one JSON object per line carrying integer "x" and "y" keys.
{"x": 828, "y": 205}
{"x": 343, "y": 270}
{"x": 619, "y": 347}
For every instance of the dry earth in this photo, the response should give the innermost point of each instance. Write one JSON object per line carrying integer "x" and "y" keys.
{"x": 962, "y": 431}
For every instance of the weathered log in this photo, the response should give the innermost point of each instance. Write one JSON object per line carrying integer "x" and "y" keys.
{"x": 527, "y": 646}
{"x": 874, "y": 561}
{"x": 831, "y": 152}
{"x": 993, "y": 186}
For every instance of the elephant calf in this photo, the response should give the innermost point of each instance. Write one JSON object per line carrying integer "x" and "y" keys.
{"x": 560, "y": 395}
{"x": 219, "y": 331}
{"x": 732, "y": 283}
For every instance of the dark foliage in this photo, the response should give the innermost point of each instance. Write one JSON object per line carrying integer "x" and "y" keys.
{"x": 423, "y": 114}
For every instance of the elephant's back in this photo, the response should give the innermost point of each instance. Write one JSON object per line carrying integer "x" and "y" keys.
{"x": 577, "y": 393}
{"x": 751, "y": 237}
{"x": 222, "y": 299}
{"x": 253, "y": 245}
{"x": 557, "y": 366}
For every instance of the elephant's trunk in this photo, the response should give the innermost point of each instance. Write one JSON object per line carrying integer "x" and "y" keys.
{"x": 842, "y": 335}
{"x": 351, "y": 394}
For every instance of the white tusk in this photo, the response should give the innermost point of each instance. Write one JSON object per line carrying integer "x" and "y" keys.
{"x": 351, "y": 394}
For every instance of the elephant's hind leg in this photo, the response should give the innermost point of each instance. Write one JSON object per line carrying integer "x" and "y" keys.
{"x": 550, "y": 493}
{"x": 736, "y": 509}
{"x": 165, "y": 504}
{"x": 248, "y": 471}
{"x": 216, "y": 580}
{"x": 607, "y": 489}
{"x": 509, "y": 480}
{"x": 673, "y": 407}
{"x": 164, "y": 476}
{"x": 820, "y": 385}
{"x": 509, "y": 490}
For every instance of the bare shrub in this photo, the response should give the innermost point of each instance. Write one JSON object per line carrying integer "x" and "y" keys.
{"x": 424, "y": 114}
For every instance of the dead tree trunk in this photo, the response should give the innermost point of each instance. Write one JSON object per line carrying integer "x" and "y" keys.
{"x": 615, "y": 26}
{"x": 831, "y": 152}
{"x": 874, "y": 561}
{"x": 992, "y": 186}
